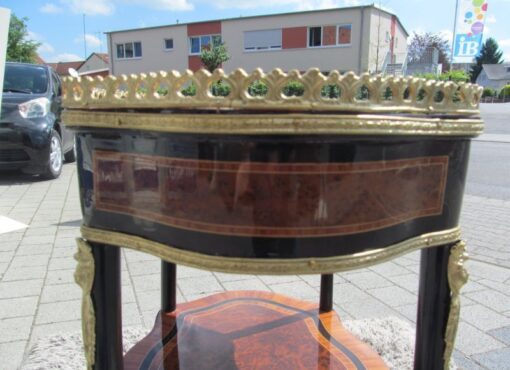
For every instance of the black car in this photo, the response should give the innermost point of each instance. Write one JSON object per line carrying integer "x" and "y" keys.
{"x": 32, "y": 137}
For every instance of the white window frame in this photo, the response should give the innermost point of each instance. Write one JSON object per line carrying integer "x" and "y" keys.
{"x": 336, "y": 44}
{"x": 199, "y": 37}
{"x": 164, "y": 44}
{"x": 270, "y": 48}
{"x": 308, "y": 37}
{"x": 338, "y": 39}
{"x": 124, "y": 49}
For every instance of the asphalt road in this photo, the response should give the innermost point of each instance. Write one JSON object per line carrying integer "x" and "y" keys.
{"x": 489, "y": 167}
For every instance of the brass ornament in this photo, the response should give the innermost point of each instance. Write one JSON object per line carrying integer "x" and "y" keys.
{"x": 273, "y": 124}
{"x": 457, "y": 277}
{"x": 319, "y": 265}
{"x": 84, "y": 277}
{"x": 386, "y": 94}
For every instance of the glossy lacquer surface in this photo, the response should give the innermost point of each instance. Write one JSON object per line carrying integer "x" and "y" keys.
{"x": 271, "y": 196}
{"x": 250, "y": 330}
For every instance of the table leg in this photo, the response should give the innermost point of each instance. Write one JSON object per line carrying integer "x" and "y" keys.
{"x": 168, "y": 286}
{"x": 433, "y": 308}
{"x": 326, "y": 300}
{"x": 106, "y": 296}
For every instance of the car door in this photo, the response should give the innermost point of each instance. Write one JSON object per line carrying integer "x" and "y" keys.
{"x": 56, "y": 106}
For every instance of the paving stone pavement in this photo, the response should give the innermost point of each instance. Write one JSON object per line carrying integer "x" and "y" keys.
{"x": 38, "y": 296}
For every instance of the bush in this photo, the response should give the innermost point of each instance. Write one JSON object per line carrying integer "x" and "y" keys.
{"x": 455, "y": 76}
{"x": 293, "y": 88}
{"x": 489, "y": 92}
{"x": 330, "y": 91}
{"x": 220, "y": 88}
{"x": 257, "y": 88}
{"x": 505, "y": 92}
{"x": 191, "y": 90}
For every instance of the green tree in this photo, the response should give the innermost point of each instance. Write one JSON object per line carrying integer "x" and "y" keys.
{"x": 19, "y": 47}
{"x": 490, "y": 54}
{"x": 212, "y": 58}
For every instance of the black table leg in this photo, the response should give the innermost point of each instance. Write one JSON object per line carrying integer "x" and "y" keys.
{"x": 433, "y": 308}
{"x": 168, "y": 286}
{"x": 106, "y": 296}
{"x": 326, "y": 302}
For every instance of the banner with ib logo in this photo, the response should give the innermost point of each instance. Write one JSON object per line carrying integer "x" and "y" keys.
{"x": 469, "y": 31}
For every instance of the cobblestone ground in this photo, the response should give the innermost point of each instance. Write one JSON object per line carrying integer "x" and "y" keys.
{"x": 38, "y": 296}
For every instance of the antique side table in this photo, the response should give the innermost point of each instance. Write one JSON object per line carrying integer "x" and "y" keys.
{"x": 268, "y": 185}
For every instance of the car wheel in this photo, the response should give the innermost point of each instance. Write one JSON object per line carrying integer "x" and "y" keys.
{"x": 56, "y": 157}
{"x": 70, "y": 156}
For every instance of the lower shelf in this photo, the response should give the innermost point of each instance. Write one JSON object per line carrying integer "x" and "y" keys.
{"x": 250, "y": 330}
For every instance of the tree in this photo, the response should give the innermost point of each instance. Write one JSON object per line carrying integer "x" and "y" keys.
{"x": 19, "y": 47}
{"x": 489, "y": 54}
{"x": 212, "y": 58}
{"x": 421, "y": 42}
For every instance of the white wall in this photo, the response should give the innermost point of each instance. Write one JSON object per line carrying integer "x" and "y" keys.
{"x": 154, "y": 56}
{"x": 343, "y": 58}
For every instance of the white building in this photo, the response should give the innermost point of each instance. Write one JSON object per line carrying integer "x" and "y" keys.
{"x": 358, "y": 38}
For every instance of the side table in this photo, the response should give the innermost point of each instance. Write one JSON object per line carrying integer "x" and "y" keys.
{"x": 268, "y": 185}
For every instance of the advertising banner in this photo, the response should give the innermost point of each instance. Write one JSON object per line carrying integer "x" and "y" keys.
{"x": 469, "y": 30}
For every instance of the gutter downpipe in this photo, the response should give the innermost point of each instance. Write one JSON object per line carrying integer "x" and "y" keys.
{"x": 362, "y": 9}
{"x": 110, "y": 56}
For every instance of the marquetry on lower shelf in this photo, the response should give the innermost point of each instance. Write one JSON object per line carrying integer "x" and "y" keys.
{"x": 250, "y": 330}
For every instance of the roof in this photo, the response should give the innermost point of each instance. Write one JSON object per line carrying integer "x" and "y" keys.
{"x": 62, "y": 68}
{"x": 38, "y": 59}
{"x": 267, "y": 15}
{"x": 102, "y": 56}
{"x": 497, "y": 71}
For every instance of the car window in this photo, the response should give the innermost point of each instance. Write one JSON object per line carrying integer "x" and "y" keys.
{"x": 25, "y": 79}
{"x": 56, "y": 84}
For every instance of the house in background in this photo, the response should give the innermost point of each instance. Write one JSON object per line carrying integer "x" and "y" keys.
{"x": 95, "y": 65}
{"x": 355, "y": 39}
{"x": 62, "y": 68}
{"x": 495, "y": 76}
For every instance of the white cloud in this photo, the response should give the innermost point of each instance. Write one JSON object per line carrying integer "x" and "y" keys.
{"x": 491, "y": 19}
{"x": 50, "y": 8}
{"x": 447, "y": 34}
{"x": 45, "y": 48}
{"x": 352, "y": 2}
{"x": 92, "y": 41}
{"x": 91, "y": 7}
{"x": 317, "y": 4}
{"x": 176, "y": 5}
{"x": 505, "y": 42}
{"x": 64, "y": 57}
{"x": 297, "y": 4}
{"x": 34, "y": 36}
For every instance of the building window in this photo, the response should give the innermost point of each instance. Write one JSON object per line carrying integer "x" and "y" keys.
{"x": 129, "y": 50}
{"x": 344, "y": 34}
{"x": 169, "y": 44}
{"x": 263, "y": 40}
{"x": 197, "y": 43}
{"x": 314, "y": 36}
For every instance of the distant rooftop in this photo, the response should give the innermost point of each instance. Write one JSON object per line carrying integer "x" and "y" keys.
{"x": 497, "y": 71}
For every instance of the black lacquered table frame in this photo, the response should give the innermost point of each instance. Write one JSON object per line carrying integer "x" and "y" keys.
{"x": 434, "y": 304}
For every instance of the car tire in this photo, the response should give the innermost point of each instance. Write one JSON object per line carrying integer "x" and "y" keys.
{"x": 70, "y": 156}
{"x": 55, "y": 158}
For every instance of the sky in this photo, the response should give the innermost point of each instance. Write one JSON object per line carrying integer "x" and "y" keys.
{"x": 59, "y": 24}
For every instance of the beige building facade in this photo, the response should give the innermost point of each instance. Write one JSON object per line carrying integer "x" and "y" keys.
{"x": 358, "y": 39}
